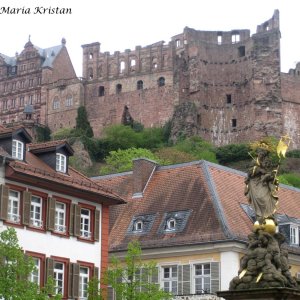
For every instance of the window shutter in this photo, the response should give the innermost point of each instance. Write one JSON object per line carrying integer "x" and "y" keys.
{"x": 77, "y": 212}
{"x": 179, "y": 270}
{"x": 97, "y": 225}
{"x": 186, "y": 279}
{"x": 26, "y": 207}
{"x": 285, "y": 230}
{"x": 96, "y": 273}
{"x": 51, "y": 214}
{"x": 215, "y": 277}
{"x": 75, "y": 280}
{"x": 71, "y": 224}
{"x": 49, "y": 268}
{"x": 4, "y": 192}
{"x": 70, "y": 281}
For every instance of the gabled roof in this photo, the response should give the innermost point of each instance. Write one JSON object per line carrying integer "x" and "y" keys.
{"x": 49, "y": 55}
{"x": 10, "y": 131}
{"x": 213, "y": 193}
{"x": 50, "y": 146}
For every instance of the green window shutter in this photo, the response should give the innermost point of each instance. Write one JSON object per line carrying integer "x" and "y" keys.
{"x": 75, "y": 280}
{"x": 4, "y": 194}
{"x": 215, "y": 276}
{"x": 186, "y": 279}
{"x": 26, "y": 207}
{"x": 97, "y": 225}
{"x": 51, "y": 214}
{"x": 77, "y": 212}
{"x": 179, "y": 270}
{"x": 49, "y": 268}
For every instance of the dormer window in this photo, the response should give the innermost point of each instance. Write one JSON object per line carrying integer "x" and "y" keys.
{"x": 17, "y": 149}
{"x": 138, "y": 226}
{"x": 171, "y": 224}
{"x": 61, "y": 163}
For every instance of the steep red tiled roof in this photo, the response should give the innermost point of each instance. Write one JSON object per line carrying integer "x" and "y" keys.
{"x": 214, "y": 194}
{"x": 46, "y": 145}
{"x": 5, "y": 130}
{"x": 39, "y": 169}
{"x": 170, "y": 189}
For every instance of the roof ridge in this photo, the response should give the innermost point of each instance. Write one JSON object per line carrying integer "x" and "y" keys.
{"x": 215, "y": 199}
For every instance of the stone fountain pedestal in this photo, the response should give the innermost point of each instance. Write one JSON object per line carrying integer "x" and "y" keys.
{"x": 263, "y": 294}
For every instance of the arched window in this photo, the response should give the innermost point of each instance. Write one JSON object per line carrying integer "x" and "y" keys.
{"x": 56, "y": 103}
{"x": 101, "y": 91}
{"x": 118, "y": 88}
{"x": 171, "y": 224}
{"x": 161, "y": 81}
{"x": 122, "y": 67}
{"x": 138, "y": 226}
{"x": 132, "y": 64}
{"x": 140, "y": 85}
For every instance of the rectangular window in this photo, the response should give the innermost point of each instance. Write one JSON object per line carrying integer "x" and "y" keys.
{"x": 61, "y": 163}
{"x": 14, "y": 207}
{"x": 170, "y": 279}
{"x": 35, "y": 275}
{"x": 202, "y": 275}
{"x": 60, "y": 217}
{"x": 59, "y": 269}
{"x": 294, "y": 235}
{"x": 233, "y": 123}
{"x": 228, "y": 98}
{"x": 30, "y": 82}
{"x": 36, "y": 212}
{"x": 17, "y": 149}
{"x": 30, "y": 99}
{"x": 21, "y": 101}
{"x": 85, "y": 223}
{"x": 83, "y": 282}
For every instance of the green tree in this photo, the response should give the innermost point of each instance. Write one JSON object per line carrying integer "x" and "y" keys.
{"x": 174, "y": 156}
{"x": 232, "y": 153}
{"x": 197, "y": 147}
{"x": 133, "y": 280}
{"x": 121, "y": 160}
{"x": 290, "y": 179}
{"x": 15, "y": 270}
{"x": 43, "y": 134}
{"x": 82, "y": 123}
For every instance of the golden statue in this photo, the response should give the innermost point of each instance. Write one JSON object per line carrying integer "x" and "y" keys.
{"x": 262, "y": 182}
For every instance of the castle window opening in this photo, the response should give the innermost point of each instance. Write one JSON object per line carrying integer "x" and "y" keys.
{"x": 177, "y": 42}
{"x": 161, "y": 81}
{"x": 91, "y": 73}
{"x": 56, "y": 103}
{"x": 13, "y": 103}
{"x": 132, "y": 64}
{"x": 266, "y": 26}
{"x": 21, "y": 101}
{"x": 69, "y": 101}
{"x": 235, "y": 37}
{"x": 228, "y": 99}
{"x": 219, "y": 38}
{"x": 233, "y": 123}
{"x": 140, "y": 85}
{"x": 91, "y": 55}
{"x": 241, "y": 51}
{"x": 101, "y": 91}
{"x": 122, "y": 67}
{"x": 4, "y": 105}
{"x": 118, "y": 88}
{"x": 30, "y": 99}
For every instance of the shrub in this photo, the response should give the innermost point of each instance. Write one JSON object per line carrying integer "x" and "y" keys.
{"x": 43, "y": 134}
{"x": 290, "y": 179}
{"x": 232, "y": 153}
{"x": 174, "y": 156}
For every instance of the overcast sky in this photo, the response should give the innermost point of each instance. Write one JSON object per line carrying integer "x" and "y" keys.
{"x": 124, "y": 24}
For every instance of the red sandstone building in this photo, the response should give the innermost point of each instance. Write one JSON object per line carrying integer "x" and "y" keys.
{"x": 61, "y": 216}
{"x": 226, "y": 86}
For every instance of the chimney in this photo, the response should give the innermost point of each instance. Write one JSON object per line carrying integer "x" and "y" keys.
{"x": 143, "y": 169}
